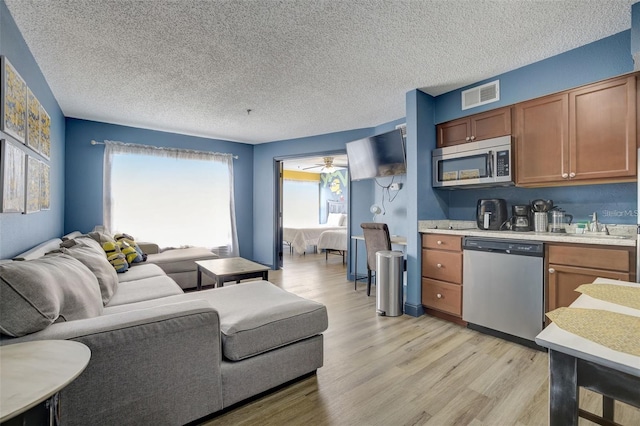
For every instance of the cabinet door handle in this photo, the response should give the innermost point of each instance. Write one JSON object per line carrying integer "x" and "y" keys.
{"x": 572, "y": 175}
{"x": 473, "y": 138}
{"x": 565, "y": 175}
{"x": 438, "y": 265}
{"x": 439, "y": 242}
{"x": 552, "y": 271}
{"x": 439, "y": 296}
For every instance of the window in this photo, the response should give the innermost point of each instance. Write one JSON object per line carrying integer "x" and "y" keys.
{"x": 171, "y": 197}
{"x": 300, "y": 203}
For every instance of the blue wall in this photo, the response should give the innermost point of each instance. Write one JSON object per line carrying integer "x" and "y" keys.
{"x": 19, "y": 232}
{"x": 422, "y": 201}
{"x": 84, "y": 172}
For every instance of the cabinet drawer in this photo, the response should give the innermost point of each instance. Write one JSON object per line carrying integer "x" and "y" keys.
{"x": 612, "y": 259}
{"x": 442, "y": 265}
{"x": 442, "y": 242}
{"x": 442, "y": 296}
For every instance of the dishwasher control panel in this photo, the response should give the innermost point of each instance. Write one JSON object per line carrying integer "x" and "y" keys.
{"x": 498, "y": 245}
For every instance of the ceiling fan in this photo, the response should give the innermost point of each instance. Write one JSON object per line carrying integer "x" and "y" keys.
{"x": 327, "y": 166}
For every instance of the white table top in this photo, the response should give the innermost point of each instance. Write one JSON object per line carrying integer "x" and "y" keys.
{"x": 231, "y": 266}
{"x": 555, "y": 338}
{"x": 395, "y": 239}
{"x": 31, "y": 372}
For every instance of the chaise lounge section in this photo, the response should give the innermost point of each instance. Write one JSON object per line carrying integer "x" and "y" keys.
{"x": 158, "y": 355}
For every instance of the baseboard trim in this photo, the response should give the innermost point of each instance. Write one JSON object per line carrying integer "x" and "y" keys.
{"x": 413, "y": 310}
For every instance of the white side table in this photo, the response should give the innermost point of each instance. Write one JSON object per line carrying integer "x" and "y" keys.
{"x": 33, "y": 372}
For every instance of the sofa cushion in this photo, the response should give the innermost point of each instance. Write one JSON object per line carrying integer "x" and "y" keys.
{"x": 255, "y": 316}
{"x": 72, "y": 235}
{"x": 144, "y": 289}
{"x": 99, "y": 265}
{"x": 180, "y": 260}
{"x": 143, "y": 271}
{"x": 39, "y": 250}
{"x": 37, "y": 293}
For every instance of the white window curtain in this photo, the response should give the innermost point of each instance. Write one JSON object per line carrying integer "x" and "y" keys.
{"x": 173, "y": 197}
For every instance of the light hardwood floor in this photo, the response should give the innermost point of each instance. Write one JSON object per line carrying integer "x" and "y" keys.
{"x": 403, "y": 370}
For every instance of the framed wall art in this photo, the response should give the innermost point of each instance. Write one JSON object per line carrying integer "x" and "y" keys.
{"x": 45, "y": 134}
{"x": 32, "y": 203}
{"x": 45, "y": 186}
{"x": 33, "y": 121}
{"x": 12, "y": 177}
{"x": 13, "y": 109}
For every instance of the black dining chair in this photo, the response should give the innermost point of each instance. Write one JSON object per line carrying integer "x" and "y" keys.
{"x": 376, "y": 238}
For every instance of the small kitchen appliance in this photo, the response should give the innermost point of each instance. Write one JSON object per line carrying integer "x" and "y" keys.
{"x": 521, "y": 219}
{"x": 558, "y": 218}
{"x": 486, "y": 163}
{"x": 491, "y": 214}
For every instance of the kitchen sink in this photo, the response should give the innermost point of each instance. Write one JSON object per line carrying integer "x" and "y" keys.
{"x": 599, "y": 235}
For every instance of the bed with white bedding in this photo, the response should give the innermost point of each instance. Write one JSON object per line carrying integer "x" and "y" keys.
{"x": 299, "y": 238}
{"x": 333, "y": 240}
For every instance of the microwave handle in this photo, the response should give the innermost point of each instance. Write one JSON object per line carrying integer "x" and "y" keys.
{"x": 490, "y": 164}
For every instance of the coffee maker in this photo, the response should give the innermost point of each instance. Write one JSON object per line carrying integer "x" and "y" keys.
{"x": 521, "y": 219}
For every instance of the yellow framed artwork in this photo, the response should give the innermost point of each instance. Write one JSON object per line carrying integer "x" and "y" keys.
{"x": 33, "y": 121}
{"x": 32, "y": 202}
{"x": 45, "y": 134}
{"x": 13, "y": 109}
{"x": 45, "y": 186}
{"x": 12, "y": 177}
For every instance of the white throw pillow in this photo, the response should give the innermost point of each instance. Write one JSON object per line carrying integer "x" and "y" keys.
{"x": 334, "y": 219}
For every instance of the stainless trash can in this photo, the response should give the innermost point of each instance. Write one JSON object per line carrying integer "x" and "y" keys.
{"x": 389, "y": 274}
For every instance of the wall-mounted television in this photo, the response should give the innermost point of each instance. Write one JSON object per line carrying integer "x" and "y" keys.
{"x": 377, "y": 156}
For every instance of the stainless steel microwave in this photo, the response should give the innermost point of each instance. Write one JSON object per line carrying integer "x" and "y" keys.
{"x": 476, "y": 164}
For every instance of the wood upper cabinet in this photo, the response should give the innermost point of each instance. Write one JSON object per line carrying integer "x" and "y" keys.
{"x": 602, "y": 130}
{"x": 571, "y": 265}
{"x": 542, "y": 139}
{"x": 486, "y": 125}
{"x": 586, "y": 134}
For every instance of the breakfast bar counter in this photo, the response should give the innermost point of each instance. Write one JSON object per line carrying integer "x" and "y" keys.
{"x": 579, "y": 361}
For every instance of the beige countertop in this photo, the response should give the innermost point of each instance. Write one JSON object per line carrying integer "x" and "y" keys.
{"x": 621, "y": 235}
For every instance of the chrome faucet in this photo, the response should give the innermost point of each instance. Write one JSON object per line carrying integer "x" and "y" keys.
{"x": 596, "y": 226}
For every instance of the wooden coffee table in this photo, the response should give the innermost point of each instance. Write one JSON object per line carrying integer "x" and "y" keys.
{"x": 230, "y": 269}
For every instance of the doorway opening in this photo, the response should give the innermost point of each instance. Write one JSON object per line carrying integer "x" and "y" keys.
{"x": 308, "y": 189}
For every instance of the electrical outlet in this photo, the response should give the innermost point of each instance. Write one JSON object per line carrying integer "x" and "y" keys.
{"x": 395, "y": 186}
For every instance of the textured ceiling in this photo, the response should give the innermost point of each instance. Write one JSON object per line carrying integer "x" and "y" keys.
{"x": 303, "y": 67}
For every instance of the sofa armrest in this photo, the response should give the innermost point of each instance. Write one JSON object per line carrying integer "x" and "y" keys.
{"x": 149, "y": 248}
{"x": 150, "y": 366}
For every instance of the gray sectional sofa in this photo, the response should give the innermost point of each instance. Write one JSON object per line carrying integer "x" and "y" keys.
{"x": 158, "y": 355}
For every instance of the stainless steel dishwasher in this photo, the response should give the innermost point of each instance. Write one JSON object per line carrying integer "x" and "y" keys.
{"x": 503, "y": 286}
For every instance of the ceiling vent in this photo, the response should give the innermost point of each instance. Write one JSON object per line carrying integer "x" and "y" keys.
{"x": 481, "y": 95}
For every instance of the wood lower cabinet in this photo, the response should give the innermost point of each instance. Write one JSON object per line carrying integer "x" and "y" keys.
{"x": 442, "y": 276}
{"x": 585, "y": 135}
{"x": 477, "y": 127}
{"x": 571, "y": 265}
